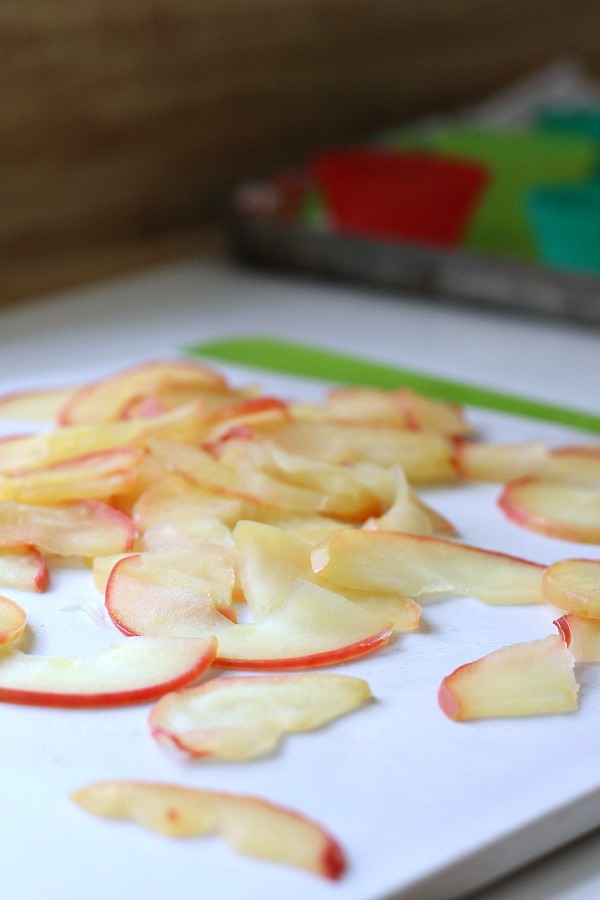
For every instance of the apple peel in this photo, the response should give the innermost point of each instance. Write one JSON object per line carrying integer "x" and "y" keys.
{"x": 244, "y": 717}
{"x": 138, "y": 670}
{"x": 249, "y": 825}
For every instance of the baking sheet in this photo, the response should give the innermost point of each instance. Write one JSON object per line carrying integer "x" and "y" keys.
{"x": 423, "y": 807}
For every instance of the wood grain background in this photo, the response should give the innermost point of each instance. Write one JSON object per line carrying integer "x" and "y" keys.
{"x": 125, "y": 122}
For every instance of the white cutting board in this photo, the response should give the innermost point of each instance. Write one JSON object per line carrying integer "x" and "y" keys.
{"x": 423, "y": 807}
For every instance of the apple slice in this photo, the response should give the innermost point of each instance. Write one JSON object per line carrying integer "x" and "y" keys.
{"x": 168, "y": 595}
{"x": 105, "y": 399}
{"x": 312, "y": 627}
{"x": 582, "y": 637}
{"x": 500, "y": 462}
{"x": 82, "y": 528}
{"x": 579, "y": 463}
{"x": 564, "y": 510}
{"x": 34, "y": 405}
{"x": 526, "y": 679}
{"x": 402, "y": 408}
{"x": 93, "y": 476}
{"x": 574, "y": 586}
{"x": 13, "y": 620}
{"x": 416, "y": 565}
{"x": 23, "y": 568}
{"x": 22, "y": 453}
{"x": 138, "y": 670}
{"x": 245, "y": 717}
{"x": 250, "y": 825}
{"x": 424, "y": 456}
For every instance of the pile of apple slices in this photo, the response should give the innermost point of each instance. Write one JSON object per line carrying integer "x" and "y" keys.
{"x": 228, "y": 530}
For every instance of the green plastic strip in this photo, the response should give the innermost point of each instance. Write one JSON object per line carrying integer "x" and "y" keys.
{"x": 340, "y": 368}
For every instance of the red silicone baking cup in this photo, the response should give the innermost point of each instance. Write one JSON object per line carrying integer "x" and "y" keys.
{"x": 399, "y": 195}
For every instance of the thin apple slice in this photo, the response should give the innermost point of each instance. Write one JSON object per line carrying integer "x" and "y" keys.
{"x": 98, "y": 475}
{"x": 105, "y": 399}
{"x": 424, "y": 456}
{"x": 526, "y": 679}
{"x": 500, "y": 462}
{"x": 35, "y": 405}
{"x": 13, "y": 620}
{"x": 22, "y": 453}
{"x": 82, "y": 528}
{"x": 312, "y": 627}
{"x": 568, "y": 511}
{"x": 138, "y": 670}
{"x": 403, "y": 408}
{"x": 23, "y": 568}
{"x": 573, "y": 585}
{"x": 582, "y": 637}
{"x": 416, "y": 565}
{"x": 245, "y": 717}
{"x": 575, "y": 463}
{"x": 162, "y": 595}
{"x": 249, "y": 825}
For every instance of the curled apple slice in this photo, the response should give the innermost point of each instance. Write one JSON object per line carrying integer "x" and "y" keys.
{"x": 37, "y": 405}
{"x": 105, "y": 399}
{"x": 23, "y": 568}
{"x": 582, "y": 637}
{"x": 574, "y": 586}
{"x": 500, "y": 462}
{"x": 98, "y": 475}
{"x": 575, "y": 463}
{"x": 565, "y": 510}
{"x": 403, "y": 408}
{"x": 170, "y": 595}
{"x": 423, "y": 455}
{"x": 526, "y": 679}
{"x": 81, "y": 528}
{"x": 13, "y": 620}
{"x": 244, "y": 717}
{"x": 250, "y": 825}
{"x": 416, "y": 565}
{"x": 312, "y": 627}
{"x": 138, "y": 670}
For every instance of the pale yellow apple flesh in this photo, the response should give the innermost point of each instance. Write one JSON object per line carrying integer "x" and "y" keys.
{"x": 582, "y": 637}
{"x": 85, "y": 528}
{"x": 500, "y": 462}
{"x": 138, "y": 670}
{"x": 574, "y": 586}
{"x": 249, "y": 825}
{"x": 106, "y": 398}
{"x": 13, "y": 620}
{"x": 22, "y": 567}
{"x": 244, "y": 717}
{"x": 270, "y": 560}
{"x": 526, "y": 679}
{"x": 416, "y": 565}
{"x": 565, "y": 510}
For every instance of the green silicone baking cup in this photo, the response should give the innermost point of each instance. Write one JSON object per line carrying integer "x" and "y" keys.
{"x": 318, "y": 363}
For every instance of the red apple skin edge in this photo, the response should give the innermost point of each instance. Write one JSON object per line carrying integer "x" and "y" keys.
{"x": 448, "y": 702}
{"x": 563, "y": 629}
{"x": 110, "y": 698}
{"x": 327, "y": 658}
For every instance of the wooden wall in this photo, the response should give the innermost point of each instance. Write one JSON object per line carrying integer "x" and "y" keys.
{"x": 125, "y": 121}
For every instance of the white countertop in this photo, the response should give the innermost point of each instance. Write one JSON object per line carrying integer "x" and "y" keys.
{"x": 94, "y": 331}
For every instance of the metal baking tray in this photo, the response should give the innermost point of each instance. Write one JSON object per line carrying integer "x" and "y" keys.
{"x": 261, "y": 237}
